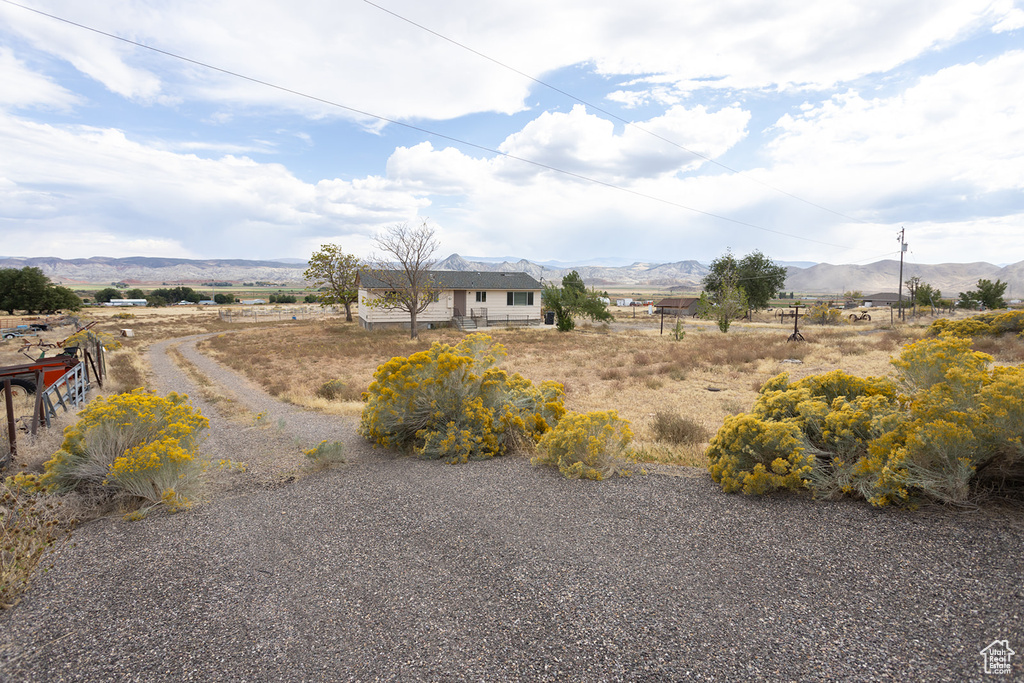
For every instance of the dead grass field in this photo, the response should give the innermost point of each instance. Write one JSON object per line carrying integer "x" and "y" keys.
{"x": 625, "y": 366}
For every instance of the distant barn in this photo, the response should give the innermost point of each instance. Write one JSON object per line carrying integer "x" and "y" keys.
{"x": 677, "y": 306}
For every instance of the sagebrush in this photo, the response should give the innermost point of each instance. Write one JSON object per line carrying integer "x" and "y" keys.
{"x": 136, "y": 443}
{"x": 947, "y": 427}
{"x": 452, "y": 402}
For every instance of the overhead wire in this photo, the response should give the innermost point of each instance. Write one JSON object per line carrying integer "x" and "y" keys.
{"x": 610, "y": 114}
{"x": 421, "y": 129}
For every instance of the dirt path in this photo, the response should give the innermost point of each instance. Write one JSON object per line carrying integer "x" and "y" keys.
{"x": 248, "y": 425}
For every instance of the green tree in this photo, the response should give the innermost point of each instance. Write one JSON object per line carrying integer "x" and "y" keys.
{"x": 58, "y": 298}
{"x": 337, "y": 275}
{"x": 926, "y": 295}
{"x": 223, "y": 298}
{"x": 968, "y": 300}
{"x": 724, "y": 305}
{"x": 29, "y": 290}
{"x": 572, "y": 299}
{"x": 756, "y": 274}
{"x": 135, "y": 293}
{"x": 175, "y": 294}
{"x": 988, "y": 294}
{"x": 106, "y": 294}
{"x": 991, "y": 293}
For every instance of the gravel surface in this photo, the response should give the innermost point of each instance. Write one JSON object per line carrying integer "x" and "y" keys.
{"x": 390, "y": 568}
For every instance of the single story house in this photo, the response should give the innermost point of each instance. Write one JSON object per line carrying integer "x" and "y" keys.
{"x": 126, "y": 302}
{"x": 465, "y": 299}
{"x": 884, "y": 299}
{"x": 677, "y": 306}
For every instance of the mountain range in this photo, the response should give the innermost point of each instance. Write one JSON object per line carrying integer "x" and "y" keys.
{"x": 682, "y": 276}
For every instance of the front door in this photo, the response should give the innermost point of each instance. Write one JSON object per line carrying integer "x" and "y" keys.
{"x": 460, "y": 302}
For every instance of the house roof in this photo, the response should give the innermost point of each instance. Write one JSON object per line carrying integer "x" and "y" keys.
{"x": 463, "y": 279}
{"x": 676, "y": 302}
{"x": 883, "y": 296}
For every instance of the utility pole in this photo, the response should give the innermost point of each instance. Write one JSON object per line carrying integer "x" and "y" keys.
{"x": 903, "y": 248}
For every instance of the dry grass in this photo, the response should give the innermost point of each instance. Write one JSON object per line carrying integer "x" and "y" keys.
{"x": 629, "y": 368}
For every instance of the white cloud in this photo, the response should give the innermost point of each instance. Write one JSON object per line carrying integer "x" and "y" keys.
{"x": 97, "y": 185}
{"x": 957, "y": 131}
{"x": 24, "y": 88}
{"x": 587, "y": 144}
{"x": 356, "y": 55}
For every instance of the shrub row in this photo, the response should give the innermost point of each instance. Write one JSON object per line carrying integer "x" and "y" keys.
{"x": 945, "y": 427}
{"x": 991, "y": 323}
{"x": 453, "y": 403}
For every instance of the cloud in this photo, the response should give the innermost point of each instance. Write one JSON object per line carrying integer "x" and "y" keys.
{"x": 951, "y": 137}
{"x": 98, "y": 185}
{"x": 25, "y": 88}
{"x": 361, "y": 57}
{"x": 587, "y": 144}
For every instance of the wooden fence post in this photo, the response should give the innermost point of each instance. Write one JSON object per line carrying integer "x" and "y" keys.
{"x": 12, "y": 434}
{"x": 40, "y": 389}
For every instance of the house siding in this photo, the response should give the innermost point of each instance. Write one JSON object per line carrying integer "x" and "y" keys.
{"x": 497, "y": 310}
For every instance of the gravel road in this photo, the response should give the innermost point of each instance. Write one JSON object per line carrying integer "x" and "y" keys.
{"x": 389, "y": 568}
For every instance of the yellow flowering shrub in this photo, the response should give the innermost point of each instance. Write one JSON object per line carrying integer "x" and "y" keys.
{"x": 88, "y": 339}
{"x": 753, "y": 455}
{"x": 823, "y": 314}
{"x": 454, "y": 403}
{"x": 135, "y": 442}
{"x": 956, "y": 426}
{"x": 990, "y": 323}
{"x": 592, "y": 445}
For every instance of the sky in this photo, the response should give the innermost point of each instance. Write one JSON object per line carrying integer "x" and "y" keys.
{"x": 552, "y": 130}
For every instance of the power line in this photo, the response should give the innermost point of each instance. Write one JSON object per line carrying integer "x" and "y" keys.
{"x": 611, "y": 114}
{"x": 426, "y": 131}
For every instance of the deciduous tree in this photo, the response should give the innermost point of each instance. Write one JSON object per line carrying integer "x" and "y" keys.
{"x": 756, "y": 274}
{"x": 29, "y": 290}
{"x": 725, "y": 300}
{"x": 402, "y": 272}
{"x": 337, "y": 275}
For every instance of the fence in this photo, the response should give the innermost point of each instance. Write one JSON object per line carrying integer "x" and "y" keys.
{"x": 258, "y": 313}
{"x": 69, "y": 391}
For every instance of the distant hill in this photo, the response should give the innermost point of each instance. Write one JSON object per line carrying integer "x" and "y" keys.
{"x": 144, "y": 270}
{"x": 821, "y": 278}
{"x": 883, "y": 276}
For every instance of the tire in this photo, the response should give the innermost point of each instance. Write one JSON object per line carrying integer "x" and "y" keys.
{"x": 9, "y": 336}
{"x": 21, "y": 387}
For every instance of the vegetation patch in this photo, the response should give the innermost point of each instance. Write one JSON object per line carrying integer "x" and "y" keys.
{"x": 454, "y": 403}
{"x": 946, "y": 429}
{"x": 992, "y": 324}
{"x": 593, "y": 445}
{"x": 135, "y": 443}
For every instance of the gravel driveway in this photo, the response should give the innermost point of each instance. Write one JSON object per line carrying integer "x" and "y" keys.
{"x": 389, "y": 568}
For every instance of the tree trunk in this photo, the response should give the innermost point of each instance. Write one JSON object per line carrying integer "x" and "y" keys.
{"x": 348, "y": 311}
{"x": 413, "y": 332}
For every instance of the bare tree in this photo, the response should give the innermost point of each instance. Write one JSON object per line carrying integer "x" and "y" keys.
{"x": 402, "y": 273}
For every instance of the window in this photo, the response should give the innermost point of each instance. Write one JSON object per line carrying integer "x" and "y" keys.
{"x": 481, "y": 297}
{"x": 520, "y": 298}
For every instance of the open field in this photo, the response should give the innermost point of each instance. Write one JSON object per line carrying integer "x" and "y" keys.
{"x": 624, "y": 366}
